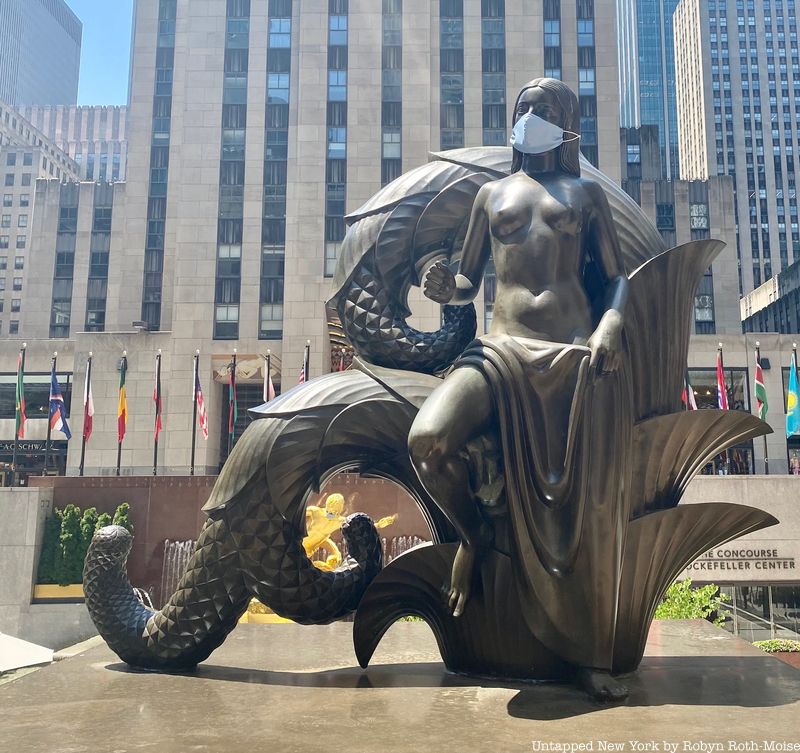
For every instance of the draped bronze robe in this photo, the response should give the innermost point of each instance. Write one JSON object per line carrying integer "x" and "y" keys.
{"x": 565, "y": 435}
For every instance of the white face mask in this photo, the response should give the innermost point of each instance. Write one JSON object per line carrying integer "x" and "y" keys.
{"x": 534, "y": 135}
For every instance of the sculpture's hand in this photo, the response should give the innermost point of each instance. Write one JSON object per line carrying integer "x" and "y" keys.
{"x": 606, "y": 344}
{"x": 440, "y": 283}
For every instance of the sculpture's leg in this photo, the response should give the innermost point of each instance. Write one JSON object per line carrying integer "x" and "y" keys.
{"x": 457, "y": 411}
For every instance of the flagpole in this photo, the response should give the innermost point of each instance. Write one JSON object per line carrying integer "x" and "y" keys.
{"x": 158, "y": 413}
{"x": 53, "y": 362}
{"x": 124, "y": 374}
{"x": 85, "y": 408}
{"x": 20, "y": 380}
{"x": 725, "y": 388}
{"x": 194, "y": 408}
{"x": 231, "y": 403}
{"x": 758, "y": 365}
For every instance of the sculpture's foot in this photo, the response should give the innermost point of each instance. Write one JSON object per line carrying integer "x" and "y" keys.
{"x": 601, "y": 686}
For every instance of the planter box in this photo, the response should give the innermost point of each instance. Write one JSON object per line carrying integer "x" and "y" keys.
{"x": 790, "y": 657}
{"x": 51, "y": 594}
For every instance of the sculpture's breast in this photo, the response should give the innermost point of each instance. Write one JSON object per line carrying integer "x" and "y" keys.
{"x": 561, "y": 218}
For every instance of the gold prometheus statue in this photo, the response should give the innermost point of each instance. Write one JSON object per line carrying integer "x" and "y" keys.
{"x": 322, "y": 523}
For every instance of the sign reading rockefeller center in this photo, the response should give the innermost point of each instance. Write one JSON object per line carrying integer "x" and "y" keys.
{"x": 746, "y": 562}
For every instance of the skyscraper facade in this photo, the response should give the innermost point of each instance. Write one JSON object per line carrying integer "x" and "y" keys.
{"x": 40, "y": 51}
{"x": 94, "y": 136}
{"x": 738, "y": 82}
{"x": 647, "y": 73}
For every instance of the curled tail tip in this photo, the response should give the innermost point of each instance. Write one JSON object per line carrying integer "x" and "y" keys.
{"x": 114, "y": 540}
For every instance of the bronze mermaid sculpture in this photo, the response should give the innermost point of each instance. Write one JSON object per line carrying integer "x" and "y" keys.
{"x": 548, "y": 456}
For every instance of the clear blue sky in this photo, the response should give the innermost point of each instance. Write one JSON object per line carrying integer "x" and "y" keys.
{"x": 105, "y": 53}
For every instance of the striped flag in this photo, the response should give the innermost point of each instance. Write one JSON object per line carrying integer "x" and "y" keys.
{"x": 792, "y": 400}
{"x": 157, "y": 398}
{"x": 58, "y": 410}
{"x": 302, "y": 375}
{"x": 202, "y": 416}
{"x": 20, "y": 397}
{"x": 341, "y": 361}
{"x": 688, "y": 394}
{"x": 122, "y": 405}
{"x": 722, "y": 392}
{"x": 88, "y": 404}
{"x": 760, "y": 392}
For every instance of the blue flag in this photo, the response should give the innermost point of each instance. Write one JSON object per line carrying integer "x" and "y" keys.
{"x": 58, "y": 411}
{"x": 792, "y": 400}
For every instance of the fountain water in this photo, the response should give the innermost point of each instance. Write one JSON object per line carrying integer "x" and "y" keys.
{"x": 176, "y": 559}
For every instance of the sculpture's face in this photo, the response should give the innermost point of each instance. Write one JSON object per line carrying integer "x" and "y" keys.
{"x": 540, "y": 102}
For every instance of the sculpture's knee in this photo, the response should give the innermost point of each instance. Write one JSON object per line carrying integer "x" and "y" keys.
{"x": 427, "y": 448}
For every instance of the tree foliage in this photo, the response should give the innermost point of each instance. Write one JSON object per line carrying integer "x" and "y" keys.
{"x": 683, "y": 602}
{"x": 67, "y": 536}
{"x": 122, "y": 517}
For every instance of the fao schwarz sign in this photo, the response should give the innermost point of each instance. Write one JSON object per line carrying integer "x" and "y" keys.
{"x": 25, "y": 445}
{"x": 745, "y": 562}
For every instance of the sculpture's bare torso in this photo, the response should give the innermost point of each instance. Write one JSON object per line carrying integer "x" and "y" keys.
{"x": 540, "y": 291}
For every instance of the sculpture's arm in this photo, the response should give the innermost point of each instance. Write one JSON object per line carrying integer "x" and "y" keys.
{"x": 440, "y": 284}
{"x": 605, "y": 250}
{"x": 475, "y": 253}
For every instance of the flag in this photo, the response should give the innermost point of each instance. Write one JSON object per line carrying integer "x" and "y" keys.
{"x": 722, "y": 392}
{"x": 341, "y": 361}
{"x": 122, "y": 406}
{"x": 760, "y": 392}
{"x": 88, "y": 405}
{"x": 233, "y": 408}
{"x": 58, "y": 411}
{"x": 688, "y": 394}
{"x": 20, "y": 397}
{"x": 302, "y": 374}
{"x": 202, "y": 417}
{"x": 157, "y": 398}
{"x": 269, "y": 388}
{"x": 792, "y": 399}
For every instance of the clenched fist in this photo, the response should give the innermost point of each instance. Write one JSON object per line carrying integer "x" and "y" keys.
{"x": 440, "y": 283}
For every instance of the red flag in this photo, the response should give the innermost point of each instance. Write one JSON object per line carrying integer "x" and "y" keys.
{"x": 341, "y": 362}
{"x": 722, "y": 392}
{"x": 88, "y": 403}
{"x": 302, "y": 375}
{"x": 157, "y": 398}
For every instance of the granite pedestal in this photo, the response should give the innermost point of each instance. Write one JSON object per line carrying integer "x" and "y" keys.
{"x": 289, "y": 688}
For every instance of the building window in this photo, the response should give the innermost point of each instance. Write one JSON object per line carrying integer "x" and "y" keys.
{"x": 22, "y": 220}
{"x": 19, "y": 262}
{"x": 17, "y": 285}
{"x": 8, "y": 200}
{"x": 21, "y": 241}
{"x": 9, "y": 179}
{"x": 3, "y": 241}
{"x": 25, "y": 200}
{"x": 26, "y": 179}
{"x": 665, "y": 216}
{"x": 16, "y": 305}
{"x": 5, "y": 220}
{"x": 11, "y": 159}
{"x": 13, "y": 329}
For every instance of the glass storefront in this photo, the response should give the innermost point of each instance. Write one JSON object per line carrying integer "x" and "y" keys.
{"x": 758, "y": 613}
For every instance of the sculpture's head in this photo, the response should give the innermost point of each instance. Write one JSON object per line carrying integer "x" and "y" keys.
{"x": 553, "y": 101}
{"x": 334, "y": 504}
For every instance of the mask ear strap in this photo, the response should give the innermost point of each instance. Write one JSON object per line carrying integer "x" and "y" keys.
{"x": 574, "y": 136}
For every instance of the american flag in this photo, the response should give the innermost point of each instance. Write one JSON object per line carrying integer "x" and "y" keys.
{"x": 88, "y": 402}
{"x": 202, "y": 417}
{"x": 58, "y": 411}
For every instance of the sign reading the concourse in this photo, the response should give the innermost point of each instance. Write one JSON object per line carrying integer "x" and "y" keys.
{"x": 775, "y": 561}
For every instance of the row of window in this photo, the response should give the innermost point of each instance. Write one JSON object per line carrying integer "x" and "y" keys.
{"x": 273, "y": 231}
{"x": 231, "y": 177}
{"x": 11, "y": 180}
{"x": 336, "y": 158}
{"x": 392, "y": 91}
{"x": 24, "y": 200}
{"x": 159, "y": 165}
